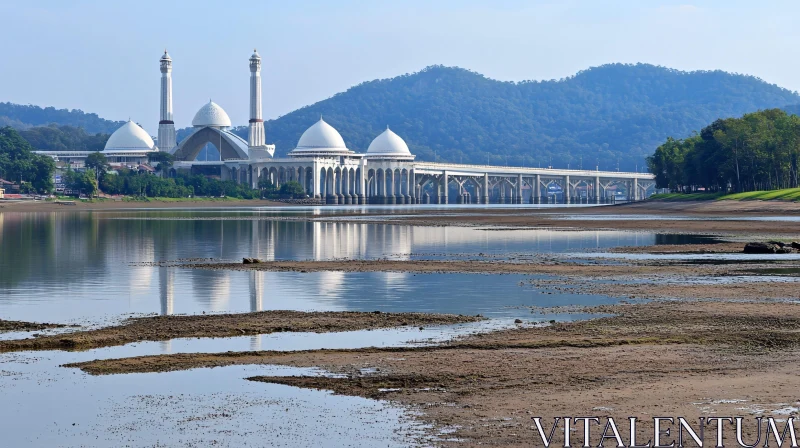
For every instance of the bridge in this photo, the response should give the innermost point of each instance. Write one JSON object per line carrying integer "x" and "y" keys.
{"x": 362, "y": 181}
{"x": 509, "y": 182}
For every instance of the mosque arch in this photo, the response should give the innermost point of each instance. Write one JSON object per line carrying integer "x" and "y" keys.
{"x": 230, "y": 146}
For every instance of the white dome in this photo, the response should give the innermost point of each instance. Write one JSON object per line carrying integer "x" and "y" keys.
{"x": 321, "y": 137}
{"x": 211, "y": 115}
{"x": 130, "y": 137}
{"x": 388, "y": 144}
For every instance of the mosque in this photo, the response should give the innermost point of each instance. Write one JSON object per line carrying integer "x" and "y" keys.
{"x": 331, "y": 172}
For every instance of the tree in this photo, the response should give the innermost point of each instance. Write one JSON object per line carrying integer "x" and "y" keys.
{"x": 267, "y": 187}
{"x": 98, "y": 163}
{"x": 18, "y": 163}
{"x": 163, "y": 161}
{"x": 292, "y": 189}
{"x": 84, "y": 182}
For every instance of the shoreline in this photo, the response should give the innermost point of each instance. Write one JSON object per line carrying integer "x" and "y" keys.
{"x": 686, "y": 357}
{"x": 669, "y": 207}
{"x": 49, "y": 206}
{"x": 725, "y": 218}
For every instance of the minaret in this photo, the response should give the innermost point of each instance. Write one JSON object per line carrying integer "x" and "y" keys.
{"x": 255, "y": 138}
{"x": 166, "y": 127}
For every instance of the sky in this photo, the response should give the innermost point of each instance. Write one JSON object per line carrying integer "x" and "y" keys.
{"x": 102, "y": 56}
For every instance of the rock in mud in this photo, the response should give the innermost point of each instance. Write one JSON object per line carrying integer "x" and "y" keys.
{"x": 772, "y": 247}
{"x": 759, "y": 248}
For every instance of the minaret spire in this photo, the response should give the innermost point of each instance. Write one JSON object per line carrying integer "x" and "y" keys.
{"x": 166, "y": 125}
{"x": 255, "y": 138}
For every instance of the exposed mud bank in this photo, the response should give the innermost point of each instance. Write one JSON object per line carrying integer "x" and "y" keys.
{"x": 13, "y": 325}
{"x": 162, "y": 328}
{"x": 544, "y": 265}
{"x": 670, "y": 358}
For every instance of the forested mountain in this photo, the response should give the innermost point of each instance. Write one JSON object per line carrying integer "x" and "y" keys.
{"x": 612, "y": 113}
{"x": 20, "y": 116}
{"x": 606, "y": 113}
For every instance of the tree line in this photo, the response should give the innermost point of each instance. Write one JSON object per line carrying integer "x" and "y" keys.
{"x": 19, "y": 164}
{"x": 759, "y": 151}
{"x": 127, "y": 182}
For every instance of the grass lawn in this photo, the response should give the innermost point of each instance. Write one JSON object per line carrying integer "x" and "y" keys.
{"x": 787, "y": 194}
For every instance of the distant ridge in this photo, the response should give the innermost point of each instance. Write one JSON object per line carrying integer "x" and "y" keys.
{"x": 615, "y": 111}
{"x": 611, "y": 113}
{"x": 20, "y": 116}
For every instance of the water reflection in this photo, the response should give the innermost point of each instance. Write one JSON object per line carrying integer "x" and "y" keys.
{"x": 69, "y": 266}
{"x": 166, "y": 289}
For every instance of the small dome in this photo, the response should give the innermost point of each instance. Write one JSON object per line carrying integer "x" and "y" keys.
{"x": 321, "y": 137}
{"x": 388, "y": 144}
{"x": 166, "y": 56}
{"x": 211, "y": 115}
{"x": 255, "y": 54}
{"x": 130, "y": 137}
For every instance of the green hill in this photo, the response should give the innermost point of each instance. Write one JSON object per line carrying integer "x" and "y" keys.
{"x": 606, "y": 113}
{"x": 20, "y": 116}
{"x": 612, "y": 113}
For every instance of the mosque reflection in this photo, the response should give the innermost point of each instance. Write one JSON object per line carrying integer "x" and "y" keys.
{"x": 218, "y": 296}
{"x": 86, "y": 261}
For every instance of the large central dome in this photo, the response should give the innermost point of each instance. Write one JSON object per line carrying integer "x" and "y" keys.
{"x": 211, "y": 115}
{"x": 130, "y": 137}
{"x": 321, "y": 137}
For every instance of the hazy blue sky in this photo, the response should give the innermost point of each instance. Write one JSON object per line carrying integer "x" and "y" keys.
{"x": 102, "y": 56}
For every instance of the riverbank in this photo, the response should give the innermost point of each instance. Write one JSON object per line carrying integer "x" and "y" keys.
{"x": 164, "y": 328}
{"x": 729, "y": 218}
{"x": 663, "y": 358}
{"x": 79, "y": 205}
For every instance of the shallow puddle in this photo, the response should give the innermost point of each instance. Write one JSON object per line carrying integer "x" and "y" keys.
{"x": 46, "y": 405}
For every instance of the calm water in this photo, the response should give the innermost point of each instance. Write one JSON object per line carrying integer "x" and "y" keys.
{"x": 87, "y": 268}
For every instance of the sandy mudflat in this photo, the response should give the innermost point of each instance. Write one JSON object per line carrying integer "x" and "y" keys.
{"x": 672, "y": 359}
{"x": 162, "y": 328}
{"x": 544, "y": 266}
{"x": 13, "y": 325}
{"x": 715, "y": 248}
